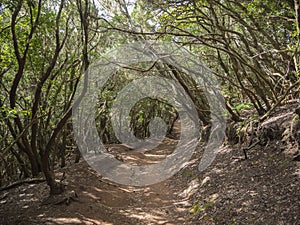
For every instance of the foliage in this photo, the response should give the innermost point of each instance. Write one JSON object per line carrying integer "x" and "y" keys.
{"x": 198, "y": 207}
{"x": 46, "y": 46}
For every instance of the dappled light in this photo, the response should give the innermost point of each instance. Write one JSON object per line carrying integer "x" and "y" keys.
{"x": 156, "y": 112}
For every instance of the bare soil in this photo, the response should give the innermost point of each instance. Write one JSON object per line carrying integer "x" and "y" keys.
{"x": 264, "y": 189}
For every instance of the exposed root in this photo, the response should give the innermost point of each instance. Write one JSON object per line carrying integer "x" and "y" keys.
{"x": 64, "y": 198}
{"x": 20, "y": 182}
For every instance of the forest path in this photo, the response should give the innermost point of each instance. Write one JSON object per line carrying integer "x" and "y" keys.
{"x": 105, "y": 202}
{"x": 261, "y": 190}
{"x": 101, "y": 201}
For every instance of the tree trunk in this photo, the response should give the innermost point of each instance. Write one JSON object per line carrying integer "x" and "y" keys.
{"x": 55, "y": 186}
{"x": 297, "y": 17}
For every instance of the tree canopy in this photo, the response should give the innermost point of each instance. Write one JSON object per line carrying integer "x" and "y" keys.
{"x": 252, "y": 47}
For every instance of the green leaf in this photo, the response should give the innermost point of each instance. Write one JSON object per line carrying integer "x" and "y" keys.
{"x": 196, "y": 208}
{"x": 243, "y": 106}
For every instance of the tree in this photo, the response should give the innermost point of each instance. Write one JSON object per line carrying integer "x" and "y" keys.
{"x": 47, "y": 47}
{"x": 250, "y": 45}
{"x": 42, "y": 73}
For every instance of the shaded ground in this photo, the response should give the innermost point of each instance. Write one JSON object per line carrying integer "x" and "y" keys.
{"x": 262, "y": 190}
{"x": 265, "y": 189}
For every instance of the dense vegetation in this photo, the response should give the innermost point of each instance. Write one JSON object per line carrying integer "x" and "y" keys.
{"x": 252, "y": 46}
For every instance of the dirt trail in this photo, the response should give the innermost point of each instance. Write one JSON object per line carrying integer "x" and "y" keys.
{"x": 261, "y": 190}
{"x": 101, "y": 201}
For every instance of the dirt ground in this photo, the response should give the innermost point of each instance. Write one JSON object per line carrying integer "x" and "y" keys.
{"x": 264, "y": 189}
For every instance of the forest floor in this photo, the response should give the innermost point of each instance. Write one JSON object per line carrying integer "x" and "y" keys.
{"x": 264, "y": 189}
